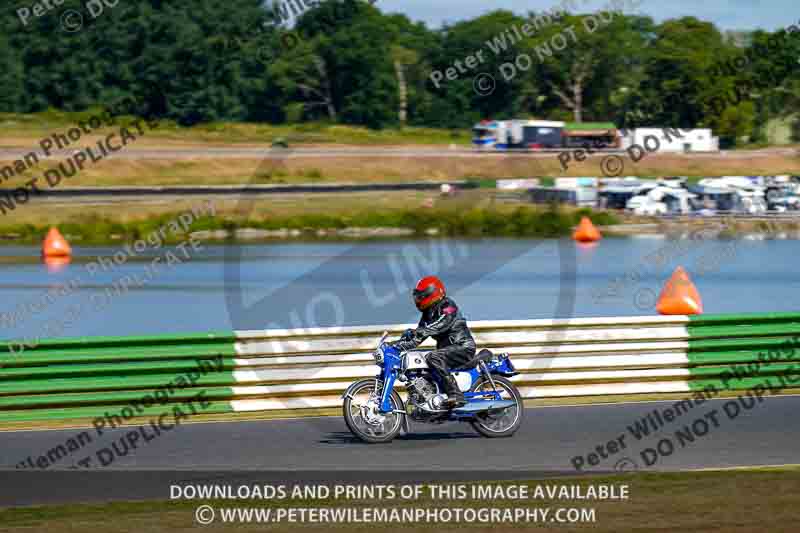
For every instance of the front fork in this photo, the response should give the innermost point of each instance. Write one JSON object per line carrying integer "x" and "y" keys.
{"x": 388, "y": 386}
{"x": 386, "y": 402}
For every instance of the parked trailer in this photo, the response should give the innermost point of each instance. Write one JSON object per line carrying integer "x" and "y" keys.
{"x": 616, "y": 193}
{"x": 544, "y": 135}
{"x": 529, "y": 134}
{"x": 580, "y": 196}
{"x": 597, "y": 135}
{"x": 554, "y": 135}
{"x": 518, "y": 134}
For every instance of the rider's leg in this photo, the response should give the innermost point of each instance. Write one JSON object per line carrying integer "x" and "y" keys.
{"x": 438, "y": 361}
{"x": 458, "y": 356}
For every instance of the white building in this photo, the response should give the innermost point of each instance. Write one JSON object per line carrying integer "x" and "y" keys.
{"x": 668, "y": 140}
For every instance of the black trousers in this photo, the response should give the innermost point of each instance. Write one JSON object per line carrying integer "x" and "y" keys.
{"x": 442, "y": 360}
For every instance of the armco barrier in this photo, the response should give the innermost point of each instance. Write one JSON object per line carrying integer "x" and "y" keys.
{"x": 271, "y": 370}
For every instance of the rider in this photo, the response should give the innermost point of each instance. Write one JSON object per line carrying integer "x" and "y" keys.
{"x": 441, "y": 320}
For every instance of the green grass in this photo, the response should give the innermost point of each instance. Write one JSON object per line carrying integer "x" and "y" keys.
{"x": 477, "y": 222}
{"x": 761, "y": 499}
{"x": 43, "y": 124}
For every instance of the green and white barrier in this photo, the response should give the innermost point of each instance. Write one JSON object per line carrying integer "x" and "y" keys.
{"x": 252, "y": 371}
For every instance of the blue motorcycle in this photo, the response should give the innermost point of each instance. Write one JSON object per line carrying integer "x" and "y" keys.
{"x": 375, "y": 412}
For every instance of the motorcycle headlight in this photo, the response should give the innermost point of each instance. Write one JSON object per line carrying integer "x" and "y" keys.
{"x": 378, "y": 355}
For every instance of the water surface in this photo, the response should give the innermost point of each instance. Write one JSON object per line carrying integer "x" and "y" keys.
{"x": 328, "y": 284}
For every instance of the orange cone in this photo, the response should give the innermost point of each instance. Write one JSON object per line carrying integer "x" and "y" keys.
{"x": 679, "y": 296}
{"x": 56, "y": 264}
{"x": 55, "y": 245}
{"x": 586, "y": 232}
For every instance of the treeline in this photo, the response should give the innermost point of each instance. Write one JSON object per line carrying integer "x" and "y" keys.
{"x": 345, "y": 61}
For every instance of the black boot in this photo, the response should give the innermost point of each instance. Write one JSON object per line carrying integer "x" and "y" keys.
{"x": 455, "y": 398}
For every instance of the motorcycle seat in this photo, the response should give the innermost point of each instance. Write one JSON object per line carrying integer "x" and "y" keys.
{"x": 483, "y": 355}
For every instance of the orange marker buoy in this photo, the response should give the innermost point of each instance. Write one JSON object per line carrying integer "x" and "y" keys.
{"x": 679, "y": 296}
{"x": 586, "y": 232}
{"x": 55, "y": 245}
{"x": 586, "y": 246}
{"x": 56, "y": 263}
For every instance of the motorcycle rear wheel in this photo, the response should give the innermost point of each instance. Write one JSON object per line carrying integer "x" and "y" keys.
{"x": 363, "y": 420}
{"x": 503, "y": 423}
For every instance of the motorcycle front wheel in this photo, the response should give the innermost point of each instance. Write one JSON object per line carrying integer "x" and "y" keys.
{"x": 505, "y": 422}
{"x": 362, "y": 417}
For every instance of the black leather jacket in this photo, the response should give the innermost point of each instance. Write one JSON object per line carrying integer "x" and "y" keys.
{"x": 442, "y": 321}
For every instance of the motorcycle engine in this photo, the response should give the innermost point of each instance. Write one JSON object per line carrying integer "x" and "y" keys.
{"x": 421, "y": 389}
{"x": 424, "y": 395}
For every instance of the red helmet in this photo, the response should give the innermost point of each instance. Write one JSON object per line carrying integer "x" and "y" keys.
{"x": 428, "y": 291}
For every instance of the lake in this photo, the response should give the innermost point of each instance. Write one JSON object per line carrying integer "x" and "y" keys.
{"x": 313, "y": 284}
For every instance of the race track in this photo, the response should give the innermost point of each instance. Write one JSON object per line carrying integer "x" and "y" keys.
{"x": 766, "y": 434}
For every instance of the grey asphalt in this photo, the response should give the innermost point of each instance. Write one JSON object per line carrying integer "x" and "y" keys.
{"x": 549, "y": 439}
{"x": 133, "y": 193}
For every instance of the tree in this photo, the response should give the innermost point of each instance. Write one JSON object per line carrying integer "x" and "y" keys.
{"x": 585, "y": 58}
{"x": 737, "y": 121}
{"x": 348, "y": 38}
{"x": 302, "y": 75}
{"x": 680, "y": 83}
{"x": 346, "y": 61}
{"x": 199, "y": 56}
{"x": 402, "y": 57}
{"x": 410, "y": 43}
{"x": 11, "y": 67}
{"x": 456, "y": 103}
{"x": 772, "y": 61}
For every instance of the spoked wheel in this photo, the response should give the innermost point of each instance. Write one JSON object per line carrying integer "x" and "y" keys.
{"x": 504, "y": 422}
{"x": 363, "y": 418}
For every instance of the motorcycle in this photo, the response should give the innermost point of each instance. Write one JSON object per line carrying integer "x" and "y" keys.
{"x": 375, "y": 413}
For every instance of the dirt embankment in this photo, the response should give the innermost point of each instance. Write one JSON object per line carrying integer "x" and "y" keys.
{"x": 173, "y": 163}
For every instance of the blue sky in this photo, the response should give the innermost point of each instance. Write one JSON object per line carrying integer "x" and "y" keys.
{"x": 726, "y": 14}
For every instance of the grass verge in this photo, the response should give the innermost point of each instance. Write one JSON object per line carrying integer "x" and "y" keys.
{"x": 736, "y": 501}
{"x": 470, "y": 215}
{"x": 207, "y": 169}
{"x": 19, "y": 130}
